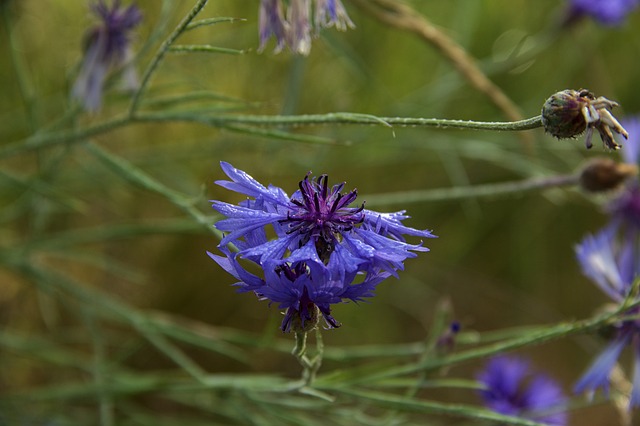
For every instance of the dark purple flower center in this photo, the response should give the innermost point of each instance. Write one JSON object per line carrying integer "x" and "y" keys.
{"x": 323, "y": 214}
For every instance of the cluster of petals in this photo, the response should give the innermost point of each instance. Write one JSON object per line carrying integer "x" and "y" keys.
{"x": 295, "y": 24}
{"x": 323, "y": 252}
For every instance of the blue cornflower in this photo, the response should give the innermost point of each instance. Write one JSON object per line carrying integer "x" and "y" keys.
{"x": 324, "y": 251}
{"x": 607, "y": 12}
{"x": 613, "y": 264}
{"x": 315, "y": 217}
{"x": 511, "y": 389}
{"x": 107, "y": 46}
{"x": 293, "y": 25}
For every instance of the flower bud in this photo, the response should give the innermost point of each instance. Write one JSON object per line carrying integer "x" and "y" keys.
{"x": 603, "y": 174}
{"x": 562, "y": 114}
{"x": 568, "y": 113}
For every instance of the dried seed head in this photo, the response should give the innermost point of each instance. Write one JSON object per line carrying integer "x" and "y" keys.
{"x": 604, "y": 174}
{"x": 568, "y": 113}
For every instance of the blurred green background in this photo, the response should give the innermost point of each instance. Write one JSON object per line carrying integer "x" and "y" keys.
{"x": 502, "y": 262}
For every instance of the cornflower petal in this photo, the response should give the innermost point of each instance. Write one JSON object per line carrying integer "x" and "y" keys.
{"x": 634, "y": 400}
{"x": 598, "y": 374}
{"x": 272, "y": 250}
{"x": 596, "y": 257}
{"x": 389, "y": 224}
{"x": 242, "y": 183}
{"x": 631, "y": 151}
{"x": 248, "y": 281}
{"x": 241, "y": 220}
{"x": 356, "y": 292}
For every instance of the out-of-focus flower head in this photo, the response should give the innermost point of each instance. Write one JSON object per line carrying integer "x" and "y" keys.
{"x": 293, "y": 23}
{"x": 625, "y": 208}
{"x": 604, "y": 174}
{"x": 107, "y": 46}
{"x": 611, "y": 260}
{"x": 272, "y": 23}
{"x": 568, "y": 113}
{"x": 336, "y": 251}
{"x": 510, "y": 388}
{"x": 606, "y": 12}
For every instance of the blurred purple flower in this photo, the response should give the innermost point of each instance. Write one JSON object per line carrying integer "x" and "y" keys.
{"x": 613, "y": 264}
{"x": 323, "y": 252}
{"x": 107, "y": 46}
{"x": 329, "y": 13}
{"x": 294, "y": 27}
{"x": 511, "y": 389}
{"x": 272, "y": 23}
{"x": 625, "y": 208}
{"x": 606, "y": 12}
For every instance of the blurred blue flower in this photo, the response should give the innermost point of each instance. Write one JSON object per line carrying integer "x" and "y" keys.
{"x": 612, "y": 264}
{"x": 625, "y": 207}
{"x": 607, "y": 12}
{"x": 511, "y": 389}
{"x": 293, "y": 26}
{"x": 323, "y": 252}
{"x": 107, "y": 46}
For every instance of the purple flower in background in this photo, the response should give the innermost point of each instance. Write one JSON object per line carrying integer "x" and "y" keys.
{"x": 107, "y": 46}
{"x": 299, "y": 35}
{"x": 295, "y": 25}
{"x": 611, "y": 259}
{"x": 511, "y": 389}
{"x": 324, "y": 251}
{"x": 272, "y": 23}
{"x": 607, "y": 12}
{"x": 625, "y": 208}
{"x": 329, "y": 13}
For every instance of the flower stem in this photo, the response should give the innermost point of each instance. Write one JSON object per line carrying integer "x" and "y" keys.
{"x": 355, "y": 118}
{"x": 488, "y": 190}
{"x": 40, "y": 140}
{"x": 182, "y": 26}
{"x": 310, "y": 366}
